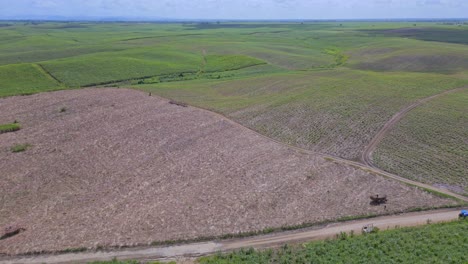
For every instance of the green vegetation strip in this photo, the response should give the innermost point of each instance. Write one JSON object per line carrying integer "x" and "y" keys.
{"x": 9, "y": 128}
{"x": 20, "y": 148}
{"x": 435, "y": 243}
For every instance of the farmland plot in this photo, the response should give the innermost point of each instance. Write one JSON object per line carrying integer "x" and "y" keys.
{"x": 113, "y": 167}
{"x": 25, "y": 79}
{"x": 335, "y": 112}
{"x": 410, "y": 56}
{"x": 431, "y": 144}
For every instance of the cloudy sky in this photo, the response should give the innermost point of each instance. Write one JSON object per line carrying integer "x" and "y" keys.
{"x": 237, "y": 9}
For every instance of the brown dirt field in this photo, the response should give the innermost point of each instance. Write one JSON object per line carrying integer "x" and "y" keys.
{"x": 121, "y": 168}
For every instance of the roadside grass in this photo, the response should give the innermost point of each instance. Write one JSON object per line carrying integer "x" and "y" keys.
{"x": 5, "y": 128}
{"x": 271, "y": 230}
{"x": 23, "y": 79}
{"x": 433, "y": 243}
{"x": 331, "y": 111}
{"x": 20, "y": 148}
{"x": 429, "y": 144}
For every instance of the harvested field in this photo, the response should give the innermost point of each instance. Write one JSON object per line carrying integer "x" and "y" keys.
{"x": 111, "y": 167}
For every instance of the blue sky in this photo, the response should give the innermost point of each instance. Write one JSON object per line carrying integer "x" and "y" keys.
{"x": 237, "y": 9}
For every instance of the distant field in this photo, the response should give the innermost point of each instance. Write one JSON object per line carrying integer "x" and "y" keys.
{"x": 397, "y": 54}
{"x": 431, "y": 144}
{"x": 448, "y": 34}
{"x": 21, "y": 79}
{"x": 435, "y": 243}
{"x": 118, "y": 66}
{"x": 335, "y": 112}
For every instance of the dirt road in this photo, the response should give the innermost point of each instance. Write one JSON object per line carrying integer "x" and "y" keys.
{"x": 198, "y": 249}
{"x": 366, "y": 157}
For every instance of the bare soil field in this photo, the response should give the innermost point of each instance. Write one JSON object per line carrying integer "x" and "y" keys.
{"x": 113, "y": 167}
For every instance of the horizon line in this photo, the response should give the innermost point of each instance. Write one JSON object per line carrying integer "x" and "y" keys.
{"x": 148, "y": 19}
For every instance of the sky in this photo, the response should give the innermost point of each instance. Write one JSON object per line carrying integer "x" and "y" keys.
{"x": 236, "y": 9}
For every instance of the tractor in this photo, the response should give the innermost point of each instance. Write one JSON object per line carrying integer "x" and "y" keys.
{"x": 378, "y": 200}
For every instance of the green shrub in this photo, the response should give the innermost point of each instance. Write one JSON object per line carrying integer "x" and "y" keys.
{"x": 9, "y": 128}
{"x": 20, "y": 148}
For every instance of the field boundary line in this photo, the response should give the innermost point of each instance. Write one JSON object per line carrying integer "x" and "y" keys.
{"x": 366, "y": 156}
{"x": 47, "y": 73}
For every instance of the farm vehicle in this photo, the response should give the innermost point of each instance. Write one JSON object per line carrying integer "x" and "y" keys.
{"x": 463, "y": 214}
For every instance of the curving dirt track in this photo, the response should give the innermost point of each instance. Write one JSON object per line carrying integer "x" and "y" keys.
{"x": 119, "y": 167}
{"x": 366, "y": 156}
{"x": 273, "y": 240}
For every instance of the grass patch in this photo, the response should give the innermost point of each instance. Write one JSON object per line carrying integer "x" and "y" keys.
{"x": 340, "y": 57}
{"x": 20, "y": 148}
{"x": 9, "y": 128}
{"x": 435, "y": 243}
{"x": 23, "y": 79}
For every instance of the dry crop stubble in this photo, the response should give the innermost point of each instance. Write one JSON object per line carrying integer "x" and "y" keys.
{"x": 122, "y": 168}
